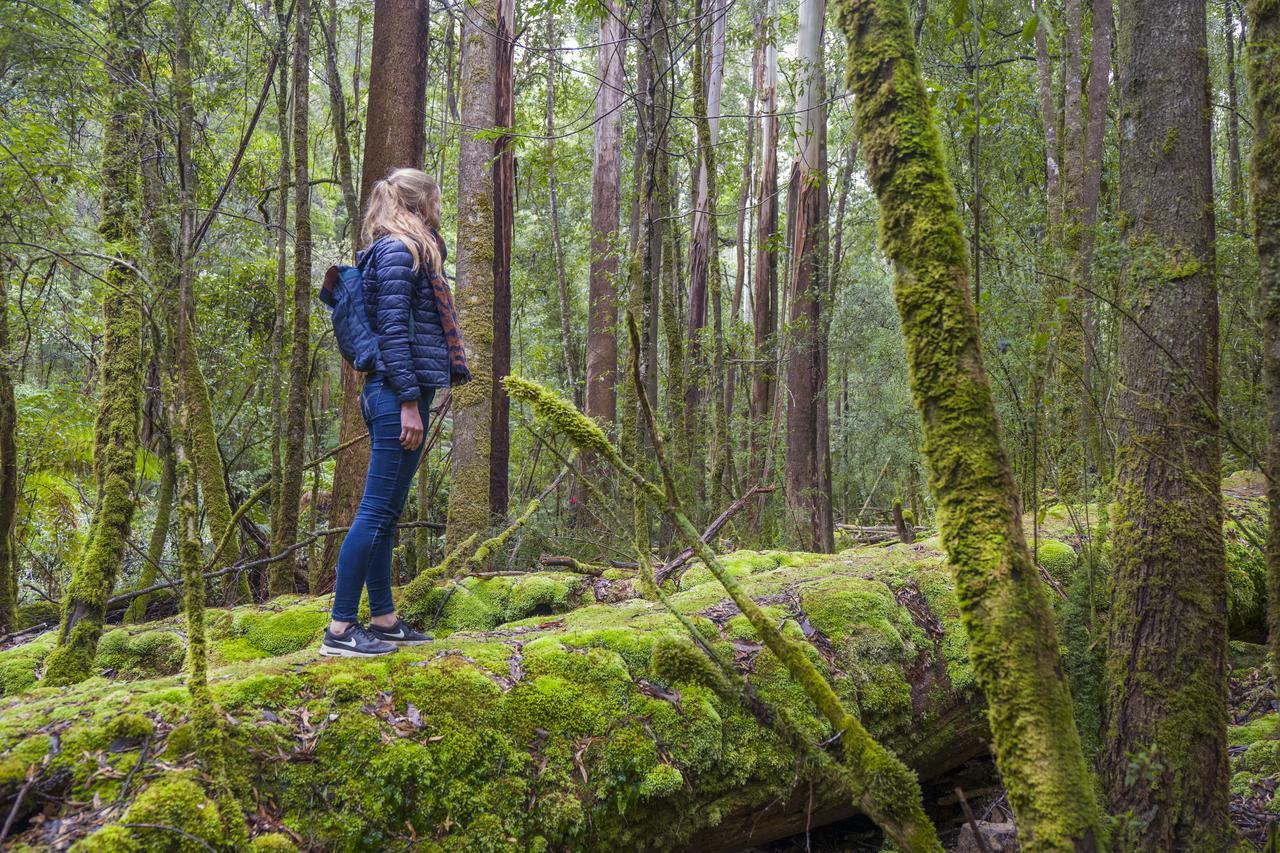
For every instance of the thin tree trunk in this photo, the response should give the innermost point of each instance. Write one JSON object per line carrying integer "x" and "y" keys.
{"x": 805, "y": 460}
{"x": 764, "y": 303}
{"x": 504, "y": 211}
{"x": 8, "y": 469}
{"x": 562, "y": 280}
{"x": 116, "y": 429}
{"x": 470, "y": 509}
{"x": 200, "y": 435}
{"x": 1049, "y": 121}
{"x": 1263, "y": 56}
{"x": 708, "y": 74}
{"x": 137, "y": 611}
{"x": 602, "y": 304}
{"x": 395, "y": 135}
{"x": 1235, "y": 181}
{"x": 1166, "y": 661}
{"x": 277, "y": 388}
{"x": 284, "y": 532}
{"x": 338, "y": 106}
{"x": 1002, "y": 600}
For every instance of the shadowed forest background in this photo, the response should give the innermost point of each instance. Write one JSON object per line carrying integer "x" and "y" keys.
{"x": 874, "y": 413}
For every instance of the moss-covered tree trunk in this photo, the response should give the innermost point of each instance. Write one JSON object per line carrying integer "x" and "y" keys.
{"x": 137, "y": 610}
{"x": 1264, "y": 178}
{"x": 1006, "y": 613}
{"x": 116, "y": 428}
{"x": 469, "y": 494}
{"x": 8, "y": 468}
{"x": 200, "y": 434}
{"x": 284, "y": 527}
{"x": 1165, "y": 752}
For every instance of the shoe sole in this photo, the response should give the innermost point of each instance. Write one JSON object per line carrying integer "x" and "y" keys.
{"x": 330, "y": 652}
{"x": 405, "y": 642}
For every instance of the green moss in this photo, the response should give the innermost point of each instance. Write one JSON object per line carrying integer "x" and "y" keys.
{"x": 19, "y": 665}
{"x": 481, "y": 604}
{"x": 176, "y": 802}
{"x": 1265, "y": 727}
{"x": 143, "y": 655}
{"x": 273, "y": 842}
{"x": 38, "y": 612}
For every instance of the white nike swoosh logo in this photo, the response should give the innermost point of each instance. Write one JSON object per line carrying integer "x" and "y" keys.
{"x": 399, "y": 634}
{"x": 351, "y": 642}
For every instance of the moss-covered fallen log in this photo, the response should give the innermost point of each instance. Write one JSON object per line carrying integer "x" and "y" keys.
{"x": 554, "y": 709}
{"x": 539, "y": 719}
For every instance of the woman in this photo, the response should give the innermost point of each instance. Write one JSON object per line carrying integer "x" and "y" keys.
{"x": 411, "y": 313}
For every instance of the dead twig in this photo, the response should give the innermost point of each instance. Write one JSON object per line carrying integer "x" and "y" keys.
{"x": 713, "y": 528}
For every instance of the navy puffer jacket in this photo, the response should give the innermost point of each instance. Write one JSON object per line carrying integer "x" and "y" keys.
{"x": 402, "y": 314}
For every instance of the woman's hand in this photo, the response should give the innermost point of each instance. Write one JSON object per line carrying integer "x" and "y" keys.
{"x": 410, "y": 425}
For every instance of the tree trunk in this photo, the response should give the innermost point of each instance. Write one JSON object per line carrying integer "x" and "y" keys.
{"x": 600, "y": 390}
{"x": 277, "y": 388}
{"x": 137, "y": 610}
{"x": 338, "y": 107}
{"x": 1049, "y": 121}
{"x": 395, "y": 135}
{"x": 1263, "y": 56}
{"x": 1166, "y": 661}
{"x": 116, "y": 429}
{"x": 470, "y": 509}
{"x": 557, "y": 245}
{"x": 8, "y": 469}
{"x": 1235, "y": 182}
{"x": 200, "y": 436}
{"x": 284, "y": 528}
{"x": 708, "y": 83}
{"x": 504, "y": 212}
{"x": 1003, "y": 602}
{"x": 765, "y": 294}
{"x": 805, "y": 461}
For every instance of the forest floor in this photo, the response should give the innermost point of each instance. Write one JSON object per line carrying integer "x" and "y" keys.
{"x": 566, "y": 693}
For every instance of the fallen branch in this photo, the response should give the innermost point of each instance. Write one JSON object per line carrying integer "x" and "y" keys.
{"x": 571, "y": 564}
{"x": 882, "y": 786}
{"x": 713, "y": 528}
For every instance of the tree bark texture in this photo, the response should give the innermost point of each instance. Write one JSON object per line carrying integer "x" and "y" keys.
{"x": 504, "y": 212}
{"x": 1263, "y": 56}
{"x": 805, "y": 459}
{"x": 1165, "y": 751}
{"x": 1002, "y": 599}
{"x": 469, "y": 495}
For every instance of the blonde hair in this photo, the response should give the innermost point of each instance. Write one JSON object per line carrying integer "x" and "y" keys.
{"x": 405, "y": 205}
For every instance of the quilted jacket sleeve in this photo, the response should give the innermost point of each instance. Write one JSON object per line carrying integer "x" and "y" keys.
{"x": 396, "y": 280}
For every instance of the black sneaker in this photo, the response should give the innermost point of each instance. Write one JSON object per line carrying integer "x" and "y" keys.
{"x": 399, "y": 634}
{"x": 355, "y": 642}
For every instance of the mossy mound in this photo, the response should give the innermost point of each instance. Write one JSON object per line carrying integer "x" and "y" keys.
{"x": 480, "y": 604}
{"x": 595, "y": 727}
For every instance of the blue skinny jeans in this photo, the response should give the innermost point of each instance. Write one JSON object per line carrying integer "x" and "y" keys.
{"x": 365, "y": 558}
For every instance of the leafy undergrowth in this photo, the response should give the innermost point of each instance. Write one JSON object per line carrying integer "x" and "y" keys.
{"x": 538, "y": 719}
